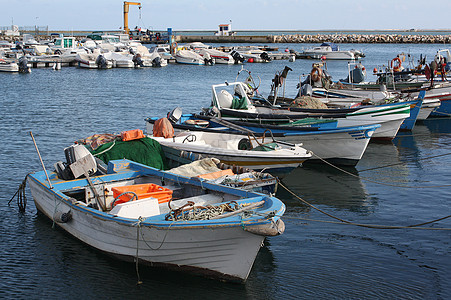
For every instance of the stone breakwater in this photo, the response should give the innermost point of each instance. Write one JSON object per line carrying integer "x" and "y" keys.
{"x": 364, "y": 38}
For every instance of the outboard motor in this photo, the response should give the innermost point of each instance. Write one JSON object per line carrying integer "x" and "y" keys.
{"x": 175, "y": 115}
{"x": 156, "y": 62}
{"x": 265, "y": 56}
{"x": 208, "y": 60}
{"x": 138, "y": 60}
{"x": 211, "y": 112}
{"x": 237, "y": 57}
{"x": 84, "y": 160}
{"x": 23, "y": 65}
{"x": 101, "y": 62}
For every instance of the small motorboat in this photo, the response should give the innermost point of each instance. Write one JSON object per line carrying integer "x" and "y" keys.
{"x": 331, "y": 51}
{"x": 8, "y": 66}
{"x": 120, "y": 60}
{"x": 234, "y": 149}
{"x": 93, "y": 60}
{"x": 189, "y": 57}
{"x": 138, "y": 213}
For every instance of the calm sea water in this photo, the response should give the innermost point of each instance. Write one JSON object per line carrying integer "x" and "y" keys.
{"x": 312, "y": 259}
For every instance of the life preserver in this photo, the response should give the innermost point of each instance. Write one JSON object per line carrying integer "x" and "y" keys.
{"x": 397, "y": 67}
{"x": 316, "y": 74}
{"x": 197, "y": 122}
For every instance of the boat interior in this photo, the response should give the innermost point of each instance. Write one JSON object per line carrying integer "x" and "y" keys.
{"x": 147, "y": 203}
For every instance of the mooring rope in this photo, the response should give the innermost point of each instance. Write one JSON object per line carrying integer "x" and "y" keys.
{"x": 345, "y": 222}
{"x": 375, "y": 181}
{"x": 21, "y": 196}
{"x": 400, "y": 163}
{"x": 140, "y": 232}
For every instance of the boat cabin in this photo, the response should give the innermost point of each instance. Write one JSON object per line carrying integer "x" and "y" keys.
{"x": 225, "y": 30}
{"x": 65, "y": 43}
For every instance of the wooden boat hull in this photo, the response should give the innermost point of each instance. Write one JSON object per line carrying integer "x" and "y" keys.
{"x": 343, "y": 146}
{"x": 220, "y": 248}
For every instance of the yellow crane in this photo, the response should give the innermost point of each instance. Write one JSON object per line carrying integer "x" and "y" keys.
{"x": 126, "y": 9}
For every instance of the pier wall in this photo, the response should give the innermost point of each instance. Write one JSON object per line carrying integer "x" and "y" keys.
{"x": 364, "y": 38}
{"x": 225, "y": 39}
{"x": 319, "y": 38}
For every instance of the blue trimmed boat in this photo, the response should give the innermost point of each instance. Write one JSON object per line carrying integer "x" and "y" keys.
{"x": 205, "y": 228}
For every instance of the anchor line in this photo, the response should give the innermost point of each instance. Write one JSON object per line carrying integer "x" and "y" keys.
{"x": 374, "y": 226}
{"x": 21, "y": 196}
{"x": 375, "y": 181}
{"x": 400, "y": 163}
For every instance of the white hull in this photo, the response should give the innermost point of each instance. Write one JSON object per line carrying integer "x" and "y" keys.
{"x": 9, "y": 67}
{"x": 390, "y": 123}
{"x": 224, "y": 246}
{"x": 330, "y": 53}
{"x": 229, "y": 251}
{"x": 344, "y": 147}
{"x": 219, "y": 56}
{"x": 426, "y": 109}
{"x": 335, "y": 55}
{"x": 225, "y": 147}
{"x": 189, "y": 57}
{"x": 88, "y": 61}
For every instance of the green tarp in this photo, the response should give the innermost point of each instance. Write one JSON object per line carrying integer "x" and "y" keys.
{"x": 145, "y": 151}
{"x": 239, "y": 103}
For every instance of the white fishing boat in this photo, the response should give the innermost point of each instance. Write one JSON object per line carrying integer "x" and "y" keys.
{"x": 342, "y": 146}
{"x": 8, "y": 66}
{"x": 331, "y": 51}
{"x": 220, "y": 57}
{"x": 189, "y": 57}
{"x": 208, "y": 52}
{"x": 137, "y": 213}
{"x": 93, "y": 61}
{"x": 232, "y": 102}
{"x": 233, "y": 149}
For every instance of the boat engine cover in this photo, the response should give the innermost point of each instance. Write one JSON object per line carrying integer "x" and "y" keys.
{"x": 79, "y": 157}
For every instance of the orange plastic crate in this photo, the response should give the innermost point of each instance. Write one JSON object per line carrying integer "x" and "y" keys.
{"x": 143, "y": 191}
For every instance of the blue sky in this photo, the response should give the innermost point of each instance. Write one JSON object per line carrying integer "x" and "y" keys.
{"x": 245, "y": 15}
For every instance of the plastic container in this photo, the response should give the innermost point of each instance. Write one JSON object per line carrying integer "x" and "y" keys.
{"x": 131, "y": 135}
{"x": 217, "y": 174}
{"x": 143, "y": 191}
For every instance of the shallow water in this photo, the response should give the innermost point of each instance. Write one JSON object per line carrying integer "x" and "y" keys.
{"x": 312, "y": 259}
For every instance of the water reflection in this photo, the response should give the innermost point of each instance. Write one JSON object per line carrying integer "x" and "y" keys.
{"x": 322, "y": 184}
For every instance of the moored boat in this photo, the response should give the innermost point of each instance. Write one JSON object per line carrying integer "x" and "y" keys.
{"x": 342, "y": 146}
{"x": 164, "y": 226}
{"x": 245, "y": 151}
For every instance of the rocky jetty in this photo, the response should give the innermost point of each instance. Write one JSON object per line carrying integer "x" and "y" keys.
{"x": 364, "y": 38}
